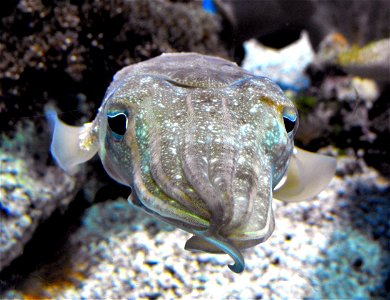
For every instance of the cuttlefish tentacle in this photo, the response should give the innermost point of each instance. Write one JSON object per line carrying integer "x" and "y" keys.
{"x": 213, "y": 241}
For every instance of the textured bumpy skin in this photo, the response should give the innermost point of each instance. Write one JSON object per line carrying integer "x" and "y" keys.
{"x": 202, "y": 143}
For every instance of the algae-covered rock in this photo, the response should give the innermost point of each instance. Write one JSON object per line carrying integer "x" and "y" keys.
{"x": 346, "y": 112}
{"x": 58, "y": 51}
{"x": 371, "y": 60}
{"x": 349, "y": 95}
{"x": 29, "y": 193}
{"x": 325, "y": 248}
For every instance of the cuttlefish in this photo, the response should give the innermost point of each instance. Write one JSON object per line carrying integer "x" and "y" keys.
{"x": 204, "y": 145}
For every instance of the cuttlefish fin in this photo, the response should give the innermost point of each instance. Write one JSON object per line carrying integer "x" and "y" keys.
{"x": 70, "y": 145}
{"x": 307, "y": 174}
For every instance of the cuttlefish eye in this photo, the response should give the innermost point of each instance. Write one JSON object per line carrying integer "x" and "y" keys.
{"x": 118, "y": 124}
{"x": 290, "y": 119}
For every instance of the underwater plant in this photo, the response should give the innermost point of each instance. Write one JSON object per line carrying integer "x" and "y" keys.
{"x": 204, "y": 145}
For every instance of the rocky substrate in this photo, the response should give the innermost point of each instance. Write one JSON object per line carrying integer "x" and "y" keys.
{"x": 335, "y": 246}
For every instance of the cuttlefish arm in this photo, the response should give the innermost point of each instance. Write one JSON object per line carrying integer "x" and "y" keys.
{"x": 307, "y": 174}
{"x": 71, "y": 145}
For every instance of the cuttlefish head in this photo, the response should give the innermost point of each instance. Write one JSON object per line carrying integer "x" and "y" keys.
{"x": 203, "y": 156}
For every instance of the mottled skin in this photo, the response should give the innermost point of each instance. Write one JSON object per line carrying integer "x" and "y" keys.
{"x": 204, "y": 146}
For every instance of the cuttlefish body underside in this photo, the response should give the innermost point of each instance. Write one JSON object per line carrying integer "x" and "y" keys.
{"x": 203, "y": 144}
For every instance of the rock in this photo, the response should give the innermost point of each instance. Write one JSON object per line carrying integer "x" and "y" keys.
{"x": 325, "y": 248}
{"x": 57, "y": 52}
{"x": 371, "y": 60}
{"x": 28, "y": 197}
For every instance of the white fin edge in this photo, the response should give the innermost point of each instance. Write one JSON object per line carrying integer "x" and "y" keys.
{"x": 307, "y": 174}
{"x": 66, "y": 145}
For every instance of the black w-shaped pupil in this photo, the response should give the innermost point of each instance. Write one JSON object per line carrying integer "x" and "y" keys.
{"x": 289, "y": 124}
{"x": 118, "y": 123}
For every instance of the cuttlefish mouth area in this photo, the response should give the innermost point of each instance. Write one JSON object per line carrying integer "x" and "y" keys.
{"x": 201, "y": 165}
